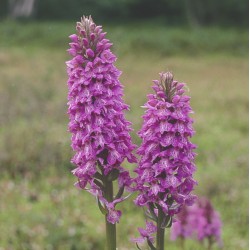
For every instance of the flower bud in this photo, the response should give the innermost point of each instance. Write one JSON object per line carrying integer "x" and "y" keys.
{"x": 73, "y": 38}
{"x": 90, "y": 53}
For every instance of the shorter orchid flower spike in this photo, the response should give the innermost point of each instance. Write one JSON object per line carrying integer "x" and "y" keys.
{"x": 165, "y": 171}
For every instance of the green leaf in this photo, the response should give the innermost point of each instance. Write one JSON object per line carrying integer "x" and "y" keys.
{"x": 98, "y": 183}
{"x": 119, "y": 193}
{"x": 138, "y": 246}
{"x": 152, "y": 212}
{"x": 99, "y": 176}
{"x": 170, "y": 223}
{"x": 152, "y": 247}
{"x": 148, "y": 215}
{"x": 167, "y": 222}
{"x": 113, "y": 175}
{"x": 102, "y": 209}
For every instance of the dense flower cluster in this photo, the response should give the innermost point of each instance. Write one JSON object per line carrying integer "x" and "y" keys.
{"x": 199, "y": 221}
{"x": 166, "y": 166}
{"x": 100, "y": 132}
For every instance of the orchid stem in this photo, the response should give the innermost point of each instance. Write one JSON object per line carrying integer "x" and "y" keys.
{"x": 182, "y": 243}
{"x": 210, "y": 243}
{"x": 110, "y": 228}
{"x": 160, "y": 231}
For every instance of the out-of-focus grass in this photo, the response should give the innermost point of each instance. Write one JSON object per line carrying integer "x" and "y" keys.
{"x": 136, "y": 37}
{"x": 40, "y": 208}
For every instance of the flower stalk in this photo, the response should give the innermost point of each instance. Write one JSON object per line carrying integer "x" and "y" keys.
{"x": 160, "y": 231}
{"x": 110, "y": 228}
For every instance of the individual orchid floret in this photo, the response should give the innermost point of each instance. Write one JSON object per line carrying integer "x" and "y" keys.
{"x": 100, "y": 132}
{"x": 200, "y": 221}
{"x": 113, "y": 215}
{"x": 147, "y": 234}
{"x": 166, "y": 167}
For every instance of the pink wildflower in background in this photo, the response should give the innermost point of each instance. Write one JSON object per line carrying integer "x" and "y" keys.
{"x": 100, "y": 132}
{"x": 181, "y": 226}
{"x": 165, "y": 172}
{"x": 200, "y": 222}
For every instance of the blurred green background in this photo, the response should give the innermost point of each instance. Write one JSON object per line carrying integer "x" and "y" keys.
{"x": 204, "y": 43}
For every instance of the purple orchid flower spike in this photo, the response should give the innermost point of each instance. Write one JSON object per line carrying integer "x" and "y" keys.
{"x": 100, "y": 132}
{"x": 165, "y": 171}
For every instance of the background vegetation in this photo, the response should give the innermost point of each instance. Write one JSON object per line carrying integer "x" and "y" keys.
{"x": 40, "y": 208}
{"x": 194, "y": 12}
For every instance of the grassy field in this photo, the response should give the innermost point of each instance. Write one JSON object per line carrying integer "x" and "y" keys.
{"x": 40, "y": 208}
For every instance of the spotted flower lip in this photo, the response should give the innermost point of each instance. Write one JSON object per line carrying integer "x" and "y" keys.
{"x": 165, "y": 171}
{"x": 100, "y": 132}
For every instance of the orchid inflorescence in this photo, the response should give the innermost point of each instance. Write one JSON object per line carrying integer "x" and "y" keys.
{"x": 100, "y": 132}
{"x": 166, "y": 167}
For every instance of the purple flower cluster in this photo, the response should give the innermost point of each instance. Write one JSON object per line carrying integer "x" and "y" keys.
{"x": 100, "y": 132}
{"x": 166, "y": 166}
{"x": 199, "y": 221}
{"x": 165, "y": 171}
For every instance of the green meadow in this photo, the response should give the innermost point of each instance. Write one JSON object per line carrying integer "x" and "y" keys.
{"x": 39, "y": 206}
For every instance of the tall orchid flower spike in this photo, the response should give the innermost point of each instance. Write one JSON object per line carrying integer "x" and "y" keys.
{"x": 166, "y": 167}
{"x": 100, "y": 132}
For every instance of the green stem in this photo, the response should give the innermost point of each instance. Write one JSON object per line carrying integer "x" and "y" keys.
{"x": 210, "y": 243}
{"x": 110, "y": 228}
{"x": 160, "y": 231}
{"x": 182, "y": 243}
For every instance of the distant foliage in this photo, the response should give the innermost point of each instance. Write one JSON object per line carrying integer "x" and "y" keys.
{"x": 195, "y": 12}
